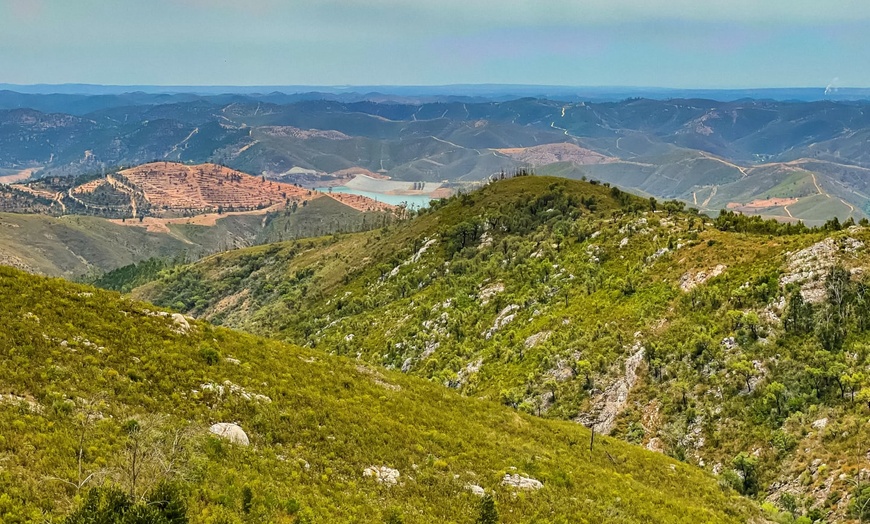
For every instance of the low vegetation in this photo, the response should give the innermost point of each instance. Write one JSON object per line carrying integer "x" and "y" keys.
{"x": 110, "y": 411}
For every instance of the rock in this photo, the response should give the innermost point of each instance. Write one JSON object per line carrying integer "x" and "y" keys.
{"x": 229, "y": 431}
{"x": 231, "y": 360}
{"x": 562, "y": 371}
{"x": 729, "y": 343}
{"x": 470, "y": 369}
{"x": 537, "y": 338}
{"x": 659, "y": 253}
{"x": 690, "y": 281}
{"x": 822, "y": 423}
{"x": 623, "y": 242}
{"x": 504, "y": 318}
{"x": 182, "y": 327}
{"x": 475, "y": 490}
{"x": 655, "y": 444}
{"x": 808, "y": 267}
{"x": 382, "y": 474}
{"x": 490, "y": 291}
{"x": 520, "y": 482}
{"x": 610, "y": 403}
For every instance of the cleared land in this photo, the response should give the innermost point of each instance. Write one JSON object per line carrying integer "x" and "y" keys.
{"x": 391, "y": 187}
{"x": 169, "y": 185}
{"x": 553, "y": 153}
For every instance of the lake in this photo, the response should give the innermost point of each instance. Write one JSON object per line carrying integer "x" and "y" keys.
{"x": 413, "y": 202}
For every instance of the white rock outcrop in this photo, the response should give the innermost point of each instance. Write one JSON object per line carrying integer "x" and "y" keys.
{"x": 520, "y": 482}
{"x": 691, "y": 280}
{"x": 181, "y": 324}
{"x": 229, "y": 431}
{"x": 504, "y": 318}
{"x": 475, "y": 490}
{"x": 382, "y": 474}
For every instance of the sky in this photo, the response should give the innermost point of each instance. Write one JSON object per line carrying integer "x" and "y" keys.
{"x": 644, "y": 43}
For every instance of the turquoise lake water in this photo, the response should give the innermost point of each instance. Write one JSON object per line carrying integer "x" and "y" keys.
{"x": 412, "y": 202}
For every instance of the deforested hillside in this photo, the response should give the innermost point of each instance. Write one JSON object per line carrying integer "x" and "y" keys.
{"x": 734, "y": 344}
{"x": 109, "y": 405}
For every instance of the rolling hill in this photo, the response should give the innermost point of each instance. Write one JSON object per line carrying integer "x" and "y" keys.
{"x": 99, "y": 392}
{"x": 734, "y": 344}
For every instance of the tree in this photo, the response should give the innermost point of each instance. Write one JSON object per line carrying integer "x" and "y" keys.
{"x": 584, "y": 368}
{"x": 864, "y": 396}
{"x": 799, "y": 314}
{"x": 775, "y": 392}
{"x": 752, "y": 322}
{"x": 747, "y": 467}
{"x": 860, "y": 506}
{"x": 488, "y": 512}
{"x": 745, "y": 369}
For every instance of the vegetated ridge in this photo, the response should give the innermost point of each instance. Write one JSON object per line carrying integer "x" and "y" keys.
{"x": 735, "y": 344}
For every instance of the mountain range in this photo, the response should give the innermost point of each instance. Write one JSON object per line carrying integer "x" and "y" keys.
{"x": 788, "y": 160}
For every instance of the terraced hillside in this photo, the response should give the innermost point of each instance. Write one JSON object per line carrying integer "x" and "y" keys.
{"x": 108, "y": 404}
{"x": 734, "y": 344}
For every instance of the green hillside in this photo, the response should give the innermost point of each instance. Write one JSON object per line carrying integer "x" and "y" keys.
{"x": 72, "y": 246}
{"x": 576, "y": 301}
{"x": 100, "y": 391}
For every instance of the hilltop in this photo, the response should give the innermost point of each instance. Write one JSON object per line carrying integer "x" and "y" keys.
{"x": 735, "y": 344}
{"x": 98, "y": 390}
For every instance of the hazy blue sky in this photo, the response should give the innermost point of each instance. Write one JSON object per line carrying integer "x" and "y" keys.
{"x": 667, "y": 43}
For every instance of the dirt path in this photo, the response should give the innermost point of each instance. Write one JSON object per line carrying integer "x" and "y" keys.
{"x": 818, "y": 187}
{"x": 695, "y": 197}
{"x": 176, "y": 146}
{"x": 712, "y": 194}
{"x": 553, "y": 125}
{"x": 787, "y": 212}
{"x": 161, "y": 225}
{"x": 120, "y": 186}
{"x": 851, "y": 207}
{"x": 708, "y": 156}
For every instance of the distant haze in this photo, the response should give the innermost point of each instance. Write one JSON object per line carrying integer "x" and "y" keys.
{"x": 664, "y": 43}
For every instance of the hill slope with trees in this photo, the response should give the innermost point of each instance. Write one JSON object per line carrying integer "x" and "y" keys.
{"x": 112, "y": 409}
{"x": 735, "y": 344}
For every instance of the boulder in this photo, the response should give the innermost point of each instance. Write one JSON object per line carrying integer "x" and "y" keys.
{"x": 520, "y": 482}
{"x": 229, "y": 431}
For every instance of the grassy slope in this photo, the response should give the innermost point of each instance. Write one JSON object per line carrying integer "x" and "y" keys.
{"x": 334, "y": 294}
{"x": 71, "y": 246}
{"x": 66, "y": 347}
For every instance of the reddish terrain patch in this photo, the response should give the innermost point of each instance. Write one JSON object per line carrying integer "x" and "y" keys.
{"x": 361, "y": 203}
{"x": 174, "y": 186}
{"x": 553, "y": 153}
{"x": 762, "y": 204}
